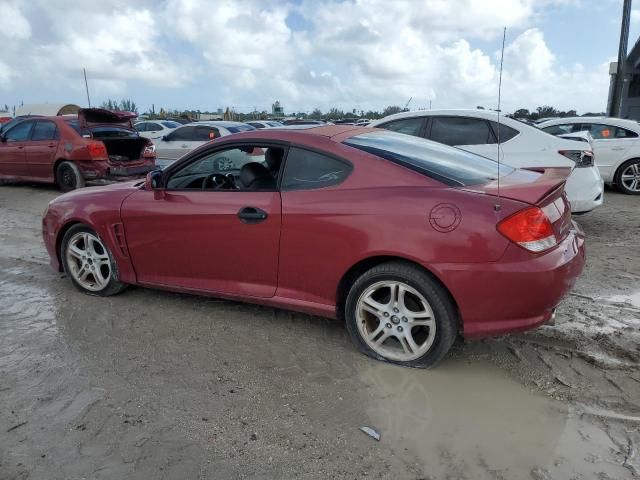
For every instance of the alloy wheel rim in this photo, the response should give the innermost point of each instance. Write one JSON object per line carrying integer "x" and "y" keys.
{"x": 68, "y": 178}
{"x": 631, "y": 177}
{"x": 395, "y": 321}
{"x": 88, "y": 261}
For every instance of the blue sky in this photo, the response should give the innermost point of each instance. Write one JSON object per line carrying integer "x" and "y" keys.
{"x": 205, "y": 54}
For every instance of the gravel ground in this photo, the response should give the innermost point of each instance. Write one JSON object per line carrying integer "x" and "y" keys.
{"x": 149, "y": 384}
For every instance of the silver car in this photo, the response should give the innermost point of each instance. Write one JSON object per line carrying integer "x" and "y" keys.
{"x": 190, "y": 136}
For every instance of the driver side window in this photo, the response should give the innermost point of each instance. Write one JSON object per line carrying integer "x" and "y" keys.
{"x": 248, "y": 167}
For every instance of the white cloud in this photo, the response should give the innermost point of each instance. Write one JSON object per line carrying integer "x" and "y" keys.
{"x": 14, "y": 25}
{"x": 358, "y": 53}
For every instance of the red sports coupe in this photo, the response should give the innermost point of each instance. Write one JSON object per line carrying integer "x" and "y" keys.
{"x": 411, "y": 242}
{"x": 96, "y": 144}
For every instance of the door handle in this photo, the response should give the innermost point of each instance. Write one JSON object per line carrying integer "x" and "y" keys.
{"x": 51, "y": 145}
{"x": 252, "y": 215}
{"x": 617, "y": 148}
{"x": 184, "y": 145}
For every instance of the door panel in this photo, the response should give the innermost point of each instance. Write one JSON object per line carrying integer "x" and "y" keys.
{"x": 13, "y": 161}
{"x": 41, "y": 150}
{"x": 194, "y": 239}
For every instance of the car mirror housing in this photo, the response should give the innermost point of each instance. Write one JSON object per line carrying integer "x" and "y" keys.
{"x": 153, "y": 180}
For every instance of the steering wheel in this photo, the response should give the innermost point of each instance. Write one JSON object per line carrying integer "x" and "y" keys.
{"x": 218, "y": 181}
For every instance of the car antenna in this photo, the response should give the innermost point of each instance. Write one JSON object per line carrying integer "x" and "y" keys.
{"x": 498, "y": 206}
{"x": 86, "y": 86}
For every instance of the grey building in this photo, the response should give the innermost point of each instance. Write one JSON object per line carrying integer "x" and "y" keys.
{"x": 629, "y": 98}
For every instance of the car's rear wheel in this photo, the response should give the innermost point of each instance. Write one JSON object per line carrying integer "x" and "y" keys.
{"x": 628, "y": 177}
{"x": 89, "y": 263}
{"x": 398, "y": 313}
{"x": 68, "y": 176}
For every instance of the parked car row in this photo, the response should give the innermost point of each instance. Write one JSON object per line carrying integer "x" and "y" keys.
{"x": 95, "y": 144}
{"x": 597, "y": 150}
{"x": 615, "y": 144}
{"x": 512, "y": 142}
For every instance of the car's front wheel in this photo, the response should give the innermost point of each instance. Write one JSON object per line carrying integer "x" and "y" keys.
{"x": 628, "y": 177}
{"x": 89, "y": 263}
{"x": 68, "y": 176}
{"x": 398, "y": 313}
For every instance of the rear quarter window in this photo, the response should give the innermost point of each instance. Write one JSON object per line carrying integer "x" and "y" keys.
{"x": 308, "y": 170}
{"x": 451, "y": 166}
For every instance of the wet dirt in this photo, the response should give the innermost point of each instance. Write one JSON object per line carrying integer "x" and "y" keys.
{"x": 149, "y": 384}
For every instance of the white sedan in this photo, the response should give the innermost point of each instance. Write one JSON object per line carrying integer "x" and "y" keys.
{"x": 616, "y": 146}
{"x": 521, "y": 146}
{"x": 187, "y": 137}
{"x": 156, "y": 128}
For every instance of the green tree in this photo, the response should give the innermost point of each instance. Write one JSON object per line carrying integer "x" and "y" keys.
{"x": 390, "y": 110}
{"x": 522, "y": 113}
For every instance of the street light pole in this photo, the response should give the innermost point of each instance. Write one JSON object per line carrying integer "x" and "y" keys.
{"x": 617, "y": 85}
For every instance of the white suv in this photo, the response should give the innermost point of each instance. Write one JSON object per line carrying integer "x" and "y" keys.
{"x": 615, "y": 145}
{"x": 521, "y": 146}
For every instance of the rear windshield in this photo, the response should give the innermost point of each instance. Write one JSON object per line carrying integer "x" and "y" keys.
{"x": 76, "y": 126}
{"x": 448, "y": 165}
{"x": 240, "y": 128}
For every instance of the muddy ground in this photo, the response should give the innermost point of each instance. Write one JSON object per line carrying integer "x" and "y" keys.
{"x": 151, "y": 385}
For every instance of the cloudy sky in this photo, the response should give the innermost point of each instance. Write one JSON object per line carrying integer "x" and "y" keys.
{"x": 363, "y": 54}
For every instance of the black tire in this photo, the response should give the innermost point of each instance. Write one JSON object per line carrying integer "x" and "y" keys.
{"x": 618, "y": 177}
{"x": 68, "y": 176}
{"x": 444, "y": 311}
{"x": 113, "y": 287}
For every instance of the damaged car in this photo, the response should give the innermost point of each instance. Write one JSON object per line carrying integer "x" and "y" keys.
{"x": 96, "y": 145}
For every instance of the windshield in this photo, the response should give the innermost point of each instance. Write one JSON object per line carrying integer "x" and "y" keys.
{"x": 169, "y": 124}
{"x": 448, "y": 165}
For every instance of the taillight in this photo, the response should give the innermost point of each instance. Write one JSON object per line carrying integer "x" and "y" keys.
{"x": 149, "y": 150}
{"x": 97, "y": 150}
{"x": 583, "y": 158}
{"x": 530, "y": 228}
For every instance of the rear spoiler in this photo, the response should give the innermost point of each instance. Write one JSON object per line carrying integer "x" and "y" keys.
{"x": 533, "y": 190}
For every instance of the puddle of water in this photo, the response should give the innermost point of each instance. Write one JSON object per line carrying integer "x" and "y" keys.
{"x": 632, "y": 298}
{"x": 471, "y": 420}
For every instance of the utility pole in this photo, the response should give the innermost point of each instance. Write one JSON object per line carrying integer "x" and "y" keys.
{"x": 617, "y": 80}
{"x": 86, "y": 86}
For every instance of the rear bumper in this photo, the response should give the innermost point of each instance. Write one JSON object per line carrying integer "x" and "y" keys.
{"x": 107, "y": 170}
{"x": 520, "y": 292}
{"x": 585, "y": 189}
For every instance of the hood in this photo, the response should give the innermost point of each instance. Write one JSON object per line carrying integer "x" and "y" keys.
{"x": 101, "y": 116}
{"x": 88, "y": 193}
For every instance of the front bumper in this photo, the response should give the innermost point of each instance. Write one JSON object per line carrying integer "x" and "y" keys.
{"x": 517, "y": 293}
{"x": 585, "y": 189}
{"x": 49, "y": 236}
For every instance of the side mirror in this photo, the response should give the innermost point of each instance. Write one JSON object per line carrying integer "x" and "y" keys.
{"x": 165, "y": 138}
{"x": 2, "y": 138}
{"x": 153, "y": 180}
